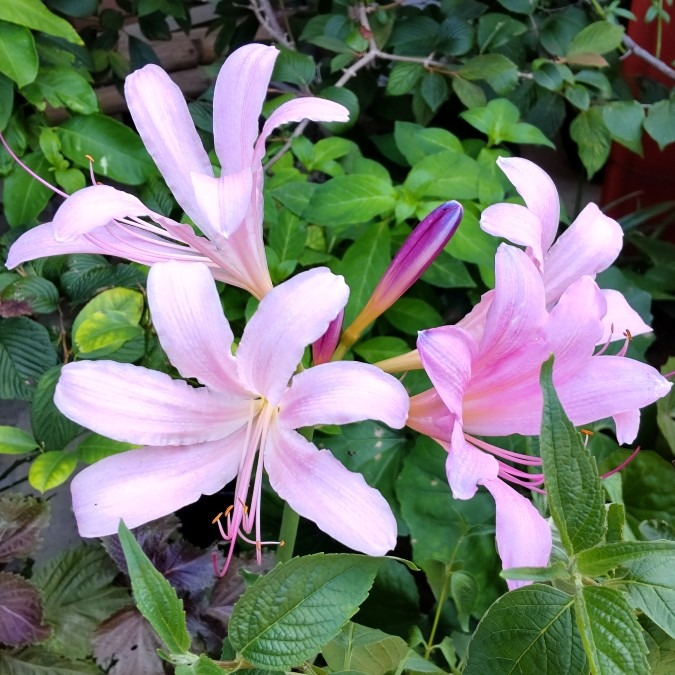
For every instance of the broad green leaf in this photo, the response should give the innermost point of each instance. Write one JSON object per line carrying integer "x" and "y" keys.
{"x": 95, "y": 447}
{"x": 51, "y": 469}
{"x": 33, "y": 14}
{"x": 51, "y": 428}
{"x": 40, "y": 294}
{"x": 363, "y": 265}
{"x": 572, "y": 482}
{"x": 26, "y": 352}
{"x": 520, "y": 6}
{"x": 348, "y": 99}
{"x": 14, "y": 441}
{"x": 77, "y": 594}
{"x": 660, "y": 122}
{"x": 593, "y": 139}
{"x": 294, "y": 67}
{"x": 118, "y": 152}
{"x": 497, "y": 30}
{"x": 470, "y": 243}
{"x": 464, "y": 592}
{"x": 448, "y": 272}
{"x": 18, "y": 55}
{"x": 20, "y": 612}
{"x": 661, "y": 647}
{"x": 287, "y": 236}
{"x": 202, "y": 666}
{"x": 456, "y": 36}
{"x": 415, "y": 142}
{"x": 404, "y": 77}
{"x": 349, "y": 200}
{"x": 624, "y": 121}
{"x": 597, "y": 38}
{"x": 665, "y": 409}
{"x": 526, "y": 631}
{"x": 549, "y": 76}
{"x": 40, "y": 661}
{"x": 154, "y": 596}
{"x": 471, "y": 95}
{"x": 444, "y": 175}
{"x": 578, "y": 96}
{"x": 434, "y": 90}
{"x": 411, "y": 315}
{"x": 21, "y": 521}
{"x": 364, "y": 649}
{"x": 610, "y": 632}
{"x": 498, "y": 70}
{"x": 63, "y": 87}
{"x": 380, "y": 348}
{"x": 24, "y": 197}
{"x": 650, "y": 584}
{"x": 603, "y": 558}
{"x": 6, "y": 100}
{"x": 290, "y": 613}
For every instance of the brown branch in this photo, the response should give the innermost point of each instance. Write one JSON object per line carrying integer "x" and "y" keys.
{"x": 643, "y": 54}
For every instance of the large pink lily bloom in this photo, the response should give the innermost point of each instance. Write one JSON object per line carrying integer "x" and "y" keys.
{"x": 588, "y": 246}
{"x": 487, "y": 384}
{"x": 241, "y": 421}
{"x": 228, "y": 209}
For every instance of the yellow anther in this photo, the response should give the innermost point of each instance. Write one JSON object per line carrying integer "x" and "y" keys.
{"x": 587, "y": 432}
{"x": 217, "y": 518}
{"x": 628, "y": 335}
{"x": 90, "y": 158}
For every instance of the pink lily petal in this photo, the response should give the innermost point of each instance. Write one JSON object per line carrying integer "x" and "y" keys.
{"x": 340, "y": 393}
{"x": 239, "y": 95}
{"x": 225, "y": 201}
{"x": 474, "y": 322}
{"x": 603, "y": 392}
{"x": 39, "y": 242}
{"x": 621, "y": 316}
{"x": 163, "y": 120}
{"x": 430, "y": 416}
{"x": 319, "y": 487}
{"x": 93, "y": 207}
{"x": 296, "y": 110}
{"x": 289, "y": 318}
{"x": 137, "y": 405}
{"x": 535, "y": 186}
{"x": 192, "y": 329}
{"x": 591, "y": 244}
{"x": 523, "y": 536}
{"x": 627, "y": 426}
{"x": 138, "y": 486}
{"x": 466, "y": 467}
{"x": 447, "y": 353}
{"x": 516, "y": 224}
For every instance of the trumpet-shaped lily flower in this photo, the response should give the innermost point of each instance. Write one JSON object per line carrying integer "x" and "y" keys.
{"x": 487, "y": 384}
{"x": 227, "y": 209}
{"x": 590, "y": 244}
{"x": 241, "y": 421}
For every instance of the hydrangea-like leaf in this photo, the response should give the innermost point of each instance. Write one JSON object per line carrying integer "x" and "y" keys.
{"x": 21, "y": 520}
{"x": 20, "y": 612}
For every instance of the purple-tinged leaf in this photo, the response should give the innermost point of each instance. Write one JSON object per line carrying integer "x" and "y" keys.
{"x": 128, "y": 642}
{"x": 20, "y": 612}
{"x": 21, "y": 520}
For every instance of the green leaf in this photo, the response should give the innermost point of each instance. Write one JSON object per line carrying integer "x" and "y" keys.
{"x": 610, "y": 632}
{"x": 650, "y": 584}
{"x": 294, "y": 67}
{"x": 471, "y": 95}
{"x": 660, "y": 122}
{"x": 572, "y": 481}
{"x": 6, "y": 100}
{"x": 593, "y": 139}
{"x": 349, "y": 200}
{"x": 364, "y": 649}
{"x": 363, "y": 265}
{"x": 118, "y": 152}
{"x": 24, "y": 197}
{"x": 63, "y": 87}
{"x": 597, "y": 38}
{"x": 26, "y": 352}
{"x": 497, "y": 70}
{"x": 578, "y": 96}
{"x": 51, "y": 469}
{"x": 411, "y": 315}
{"x": 434, "y": 90}
{"x": 288, "y": 235}
{"x": 528, "y": 630}
{"x": 155, "y": 598}
{"x": 78, "y": 594}
{"x": 18, "y": 55}
{"x": 33, "y": 14}
{"x": 404, "y": 77}
{"x": 464, "y": 592}
{"x": 202, "y": 666}
{"x": 40, "y": 661}
{"x": 39, "y": 293}
{"x": 107, "y": 322}
{"x": 348, "y": 99}
{"x": 448, "y": 272}
{"x": 380, "y": 348}
{"x": 51, "y": 428}
{"x": 661, "y": 649}
{"x": 21, "y": 521}
{"x": 415, "y": 142}
{"x": 290, "y": 613}
{"x": 14, "y": 441}
{"x": 601, "y": 559}
{"x": 444, "y": 175}
{"x": 95, "y": 447}
{"x": 665, "y": 409}
{"x": 624, "y": 121}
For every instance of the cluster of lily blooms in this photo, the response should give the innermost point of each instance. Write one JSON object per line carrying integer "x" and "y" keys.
{"x": 243, "y": 420}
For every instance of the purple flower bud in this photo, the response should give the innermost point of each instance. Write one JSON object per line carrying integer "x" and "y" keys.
{"x": 324, "y": 347}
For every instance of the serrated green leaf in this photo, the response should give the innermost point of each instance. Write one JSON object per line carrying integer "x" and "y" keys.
{"x": 365, "y": 650}
{"x": 661, "y": 647}
{"x": 18, "y": 55}
{"x": 660, "y": 122}
{"x": 24, "y": 198}
{"x": 593, "y": 139}
{"x": 78, "y": 594}
{"x": 434, "y": 90}
{"x": 403, "y": 78}
{"x": 14, "y": 441}
{"x": 33, "y": 14}
{"x": 349, "y": 200}
{"x": 26, "y": 353}
{"x": 155, "y": 598}
{"x": 290, "y": 613}
{"x": 40, "y": 661}
{"x": 118, "y": 152}
{"x": 51, "y": 469}
{"x": 39, "y": 293}
{"x": 610, "y": 632}
{"x": 601, "y": 559}
{"x": 599, "y": 37}
{"x": 294, "y": 67}
{"x": 523, "y": 632}
{"x": 572, "y": 481}
{"x": 203, "y": 665}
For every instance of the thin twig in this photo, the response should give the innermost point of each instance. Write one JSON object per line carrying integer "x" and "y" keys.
{"x": 264, "y": 12}
{"x": 643, "y": 54}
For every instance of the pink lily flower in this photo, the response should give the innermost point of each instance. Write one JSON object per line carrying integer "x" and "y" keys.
{"x": 487, "y": 384}
{"x": 241, "y": 421}
{"x": 227, "y": 209}
{"x": 588, "y": 246}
